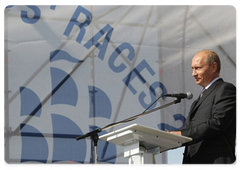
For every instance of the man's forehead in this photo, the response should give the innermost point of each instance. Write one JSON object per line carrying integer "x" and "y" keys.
{"x": 200, "y": 57}
{"x": 198, "y": 61}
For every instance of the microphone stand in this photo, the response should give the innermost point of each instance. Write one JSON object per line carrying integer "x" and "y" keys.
{"x": 94, "y": 134}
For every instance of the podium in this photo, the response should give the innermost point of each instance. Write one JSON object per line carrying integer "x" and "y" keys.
{"x": 141, "y": 143}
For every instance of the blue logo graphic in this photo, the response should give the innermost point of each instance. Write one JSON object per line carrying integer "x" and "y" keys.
{"x": 35, "y": 145}
{"x": 164, "y": 126}
{"x": 67, "y": 92}
{"x": 30, "y": 103}
{"x": 65, "y": 147}
{"x": 100, "y": 104}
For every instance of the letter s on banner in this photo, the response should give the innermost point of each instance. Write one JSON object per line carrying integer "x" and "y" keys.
{"x": 35, "y": 18}
{"x": 152, "y": 89}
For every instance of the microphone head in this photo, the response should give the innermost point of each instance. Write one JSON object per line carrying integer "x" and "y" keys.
{"x": 189, "y": 95}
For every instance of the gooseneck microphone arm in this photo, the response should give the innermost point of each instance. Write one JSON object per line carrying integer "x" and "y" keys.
{"x": 145, "y": 112}
{"x": 93, "y": 133}
{"x": 179, "y": 97}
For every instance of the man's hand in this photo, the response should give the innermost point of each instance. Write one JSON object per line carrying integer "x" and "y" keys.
{"x": 176, "y": 132}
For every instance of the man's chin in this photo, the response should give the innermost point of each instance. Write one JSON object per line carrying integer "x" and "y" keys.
{"x": 198, "y": 82}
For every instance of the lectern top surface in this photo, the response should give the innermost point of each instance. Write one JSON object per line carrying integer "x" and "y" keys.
{"x": 149, "y": 130}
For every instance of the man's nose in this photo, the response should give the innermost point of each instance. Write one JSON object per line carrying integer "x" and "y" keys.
{"x": 194, "y": 73}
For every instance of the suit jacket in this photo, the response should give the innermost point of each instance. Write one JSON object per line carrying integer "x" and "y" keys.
{"x": 211, "y": 124}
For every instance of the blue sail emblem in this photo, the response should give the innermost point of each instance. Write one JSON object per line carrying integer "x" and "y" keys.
{"x": 64, "y": 88}
{"x": 34, "y": 145}
{"x": 65, "y": 146}
{"x": 100, "y": 104}
{"x": 30, "y": 103}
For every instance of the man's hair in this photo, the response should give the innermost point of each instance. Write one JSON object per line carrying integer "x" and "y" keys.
{"x": 211, "y": 58}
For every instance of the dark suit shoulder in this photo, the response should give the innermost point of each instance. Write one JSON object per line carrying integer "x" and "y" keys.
{"x": 225, "y": 87}
{"x": 222, "y": 86}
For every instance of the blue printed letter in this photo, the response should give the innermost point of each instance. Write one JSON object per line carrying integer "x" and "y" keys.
{"x": 94, "y": 41}
{"x": 74, "y": 21}
{"x": 35, "y": 18}
{"x": 152, "y": 94}
{"x": 136, "y": 73}
{"x": 116, "y": 53}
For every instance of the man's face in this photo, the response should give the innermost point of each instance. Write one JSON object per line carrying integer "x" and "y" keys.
{"x": 202, "y": 72}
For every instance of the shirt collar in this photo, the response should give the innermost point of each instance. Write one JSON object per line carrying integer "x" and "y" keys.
{"x": 212, "y": 82}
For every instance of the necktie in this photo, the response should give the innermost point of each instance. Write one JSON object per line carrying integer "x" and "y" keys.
{"x": 202, "y": 92}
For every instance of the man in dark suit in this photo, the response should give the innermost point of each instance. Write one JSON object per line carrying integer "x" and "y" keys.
{"x": 211, "y": 122}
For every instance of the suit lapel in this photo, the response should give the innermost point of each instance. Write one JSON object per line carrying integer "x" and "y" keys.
{"x": 198, "y": 102}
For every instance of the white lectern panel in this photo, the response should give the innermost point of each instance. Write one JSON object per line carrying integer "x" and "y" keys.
{"x": 141, "y": 143}
{"x": 149, "y": 138}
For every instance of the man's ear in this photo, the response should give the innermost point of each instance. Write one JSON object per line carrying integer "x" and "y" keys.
{"x": 215, "y": 66}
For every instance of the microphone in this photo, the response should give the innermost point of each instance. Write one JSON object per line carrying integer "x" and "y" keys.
{"x": 187, "y": 95}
